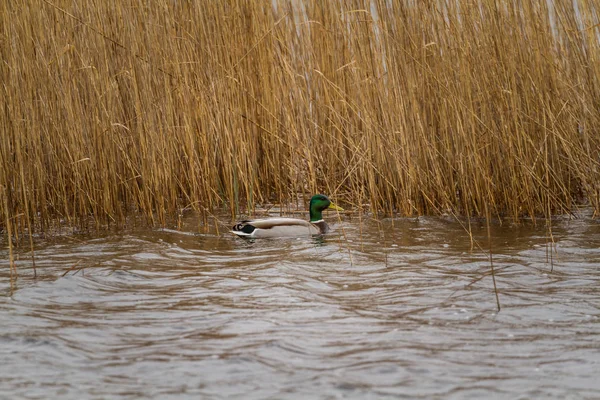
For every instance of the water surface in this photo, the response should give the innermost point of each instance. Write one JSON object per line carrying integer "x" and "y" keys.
{"x": 401, "y": 309}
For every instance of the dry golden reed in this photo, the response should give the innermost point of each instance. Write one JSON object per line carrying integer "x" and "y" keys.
{"x": 415, "y": 107}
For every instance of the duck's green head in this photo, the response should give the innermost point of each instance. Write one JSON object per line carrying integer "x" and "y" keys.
{"x": 318, "y": 203}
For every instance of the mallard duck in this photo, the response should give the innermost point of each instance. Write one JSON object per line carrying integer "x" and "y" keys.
{"x": 286, "y": 227}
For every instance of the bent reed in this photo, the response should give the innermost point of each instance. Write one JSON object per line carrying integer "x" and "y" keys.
{"x": 474, "y": 107}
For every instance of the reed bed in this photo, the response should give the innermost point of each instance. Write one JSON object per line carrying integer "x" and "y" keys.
{"x": 473, "y": 107}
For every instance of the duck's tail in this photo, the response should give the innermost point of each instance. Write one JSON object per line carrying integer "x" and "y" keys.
{"x": 243, "y": 228}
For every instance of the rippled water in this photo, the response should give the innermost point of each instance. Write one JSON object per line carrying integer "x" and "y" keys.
{"x": 397, "y": 309}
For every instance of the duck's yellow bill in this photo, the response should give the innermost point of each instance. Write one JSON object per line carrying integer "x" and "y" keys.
{"x": 333, "y": 206}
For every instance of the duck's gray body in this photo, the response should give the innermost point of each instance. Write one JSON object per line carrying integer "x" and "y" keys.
{"x": 279, "y": 227}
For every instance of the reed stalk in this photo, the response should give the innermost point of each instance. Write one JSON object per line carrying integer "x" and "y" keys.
{"x": 416, "y": 107}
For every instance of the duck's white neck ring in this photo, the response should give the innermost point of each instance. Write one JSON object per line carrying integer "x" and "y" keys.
{"x": 316, "y": 222}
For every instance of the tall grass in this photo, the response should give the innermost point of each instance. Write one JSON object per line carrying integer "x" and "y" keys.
{"x": 414, "y": 107}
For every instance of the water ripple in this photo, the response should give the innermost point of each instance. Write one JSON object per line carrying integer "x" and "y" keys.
{"x": 392, "y": 309}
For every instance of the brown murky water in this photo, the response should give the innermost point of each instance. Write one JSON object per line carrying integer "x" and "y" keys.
{"x": 399, "y": 309}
